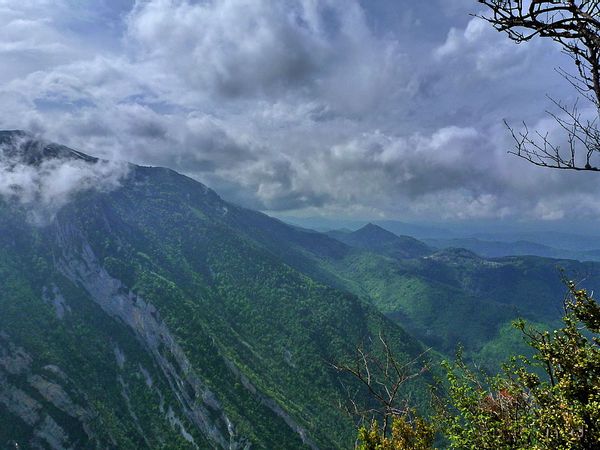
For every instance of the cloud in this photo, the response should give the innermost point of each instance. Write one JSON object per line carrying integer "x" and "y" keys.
{"x": 240, "y": 48}
{"x": 338, "y": 107}
{"x": 233, "y": 46}
{"x": 40, "y": 34}
{"x": 374, "y": 169}
{"x": 492, "y": 54}
{"x": 45, "y": 184}
{"x": 452, "y": 173}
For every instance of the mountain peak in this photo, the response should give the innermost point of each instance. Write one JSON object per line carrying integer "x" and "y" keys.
{"x": 23, "y": 147}
{"x": 373, "y": 231}
{"x": 372, "y": 226}
{"x": 375, "y": 238}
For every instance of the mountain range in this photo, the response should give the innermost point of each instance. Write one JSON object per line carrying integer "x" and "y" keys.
{"x": 489, "y": 239}
{"x": 496, "y": 249}
{"x": 151, "y": 313}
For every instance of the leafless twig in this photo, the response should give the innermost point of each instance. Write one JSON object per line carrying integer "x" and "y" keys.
{"x": 575, "y": 26}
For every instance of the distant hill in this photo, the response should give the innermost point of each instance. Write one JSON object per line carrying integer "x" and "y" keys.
{"x": 455, "y": 296}
{"x": 373, "y": 237}
{"x": 556, "y": 239}
{"x": 419, "y": 231}
{"x": 496, "y": 249}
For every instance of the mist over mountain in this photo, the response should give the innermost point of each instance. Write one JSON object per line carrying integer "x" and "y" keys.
{"x": 42, "y": 176}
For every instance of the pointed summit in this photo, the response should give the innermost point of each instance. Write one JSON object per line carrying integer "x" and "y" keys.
{"x": 379, "y": 240}
{"x": 374, "y": 233}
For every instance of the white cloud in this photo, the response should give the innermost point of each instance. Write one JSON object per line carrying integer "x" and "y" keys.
{"x": 237, "y": 48}
{"x": 489, "y": 52}
{"x": 234, "y": 46}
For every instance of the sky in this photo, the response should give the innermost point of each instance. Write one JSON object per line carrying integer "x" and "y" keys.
{"x": 375, "y": 109}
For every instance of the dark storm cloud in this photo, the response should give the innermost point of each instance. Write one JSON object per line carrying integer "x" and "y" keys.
{"x": 345, "y": 107}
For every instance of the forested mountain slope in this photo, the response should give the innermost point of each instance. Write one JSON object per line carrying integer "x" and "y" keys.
{"x": 454, "y": 297}
{"x": 156, "y": 315}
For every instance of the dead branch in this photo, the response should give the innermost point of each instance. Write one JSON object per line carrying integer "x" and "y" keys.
{"x": 382, "y": 375}
{"x": 575, "y": 26}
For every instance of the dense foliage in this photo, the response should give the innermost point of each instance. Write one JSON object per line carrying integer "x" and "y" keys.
{"x": 408, "y": 432}
{"x": 551, "y": 401}
{"x": 455, "y": 297}
{"x": 257, "y": 331}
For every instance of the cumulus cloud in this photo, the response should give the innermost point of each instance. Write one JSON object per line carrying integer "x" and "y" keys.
{"x": 234, "y": 46}
{"x": 491, "y": 53}
{"x": 388, "y": 173}
{"x": 238, "y": 48}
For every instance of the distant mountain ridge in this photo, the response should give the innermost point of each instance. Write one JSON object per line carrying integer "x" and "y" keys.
{"x": 465, "y": 234}
{"x": 498, "y": 249}
{"x": 452, "y": 295}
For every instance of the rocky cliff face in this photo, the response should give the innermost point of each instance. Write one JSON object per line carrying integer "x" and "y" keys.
{"x": 37, "y": 395}
{"x": 80, "y": 265}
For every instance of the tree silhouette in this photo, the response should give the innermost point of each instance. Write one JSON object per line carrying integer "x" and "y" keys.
{"x": 574, "y": 25}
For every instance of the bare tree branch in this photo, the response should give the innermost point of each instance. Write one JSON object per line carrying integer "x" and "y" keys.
{"x": 383, "y": 376}
{"x": 575, "y": 26}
